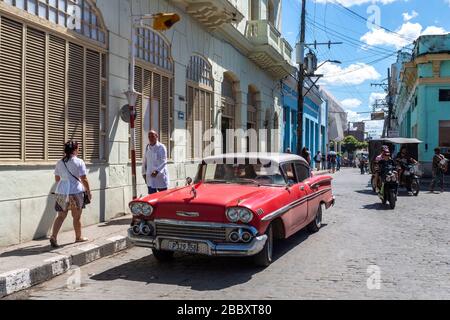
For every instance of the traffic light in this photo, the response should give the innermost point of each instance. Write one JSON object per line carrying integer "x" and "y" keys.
{"x": 164, "y": 21}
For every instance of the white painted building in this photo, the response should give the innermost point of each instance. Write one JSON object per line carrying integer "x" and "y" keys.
{"x": 220, "y": 65}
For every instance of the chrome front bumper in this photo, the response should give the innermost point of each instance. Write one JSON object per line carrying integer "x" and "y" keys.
{"x": 209, "y": 248}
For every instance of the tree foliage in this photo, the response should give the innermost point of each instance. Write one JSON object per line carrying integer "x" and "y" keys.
{"x": 351, "y": 144}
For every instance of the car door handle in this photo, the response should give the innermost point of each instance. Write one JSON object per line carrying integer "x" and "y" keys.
{"x": 302, "y": 188}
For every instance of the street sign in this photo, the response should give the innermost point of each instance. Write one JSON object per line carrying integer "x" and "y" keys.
{"x": 377, "y": 116}
{"x": 393, "y": 134}
{"x": 125, "y": 113}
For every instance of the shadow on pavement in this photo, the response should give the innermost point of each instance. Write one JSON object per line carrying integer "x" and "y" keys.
{"x": 200, "y": 273}
{"x": 376, "y": 206}
{"x": 33, "y": 250}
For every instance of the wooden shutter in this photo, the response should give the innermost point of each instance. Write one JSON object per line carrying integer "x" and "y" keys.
{"x": 75, "y": 114}
{"x": 165, "y": 113}
{"x": 138, "y": 123}
{"x": 92, "y": 134}
{"x": 35, "y": 95}
{"x": 56, "y": 97}
{"x": 10, "y": 89}
{"x": 190, "y": 120}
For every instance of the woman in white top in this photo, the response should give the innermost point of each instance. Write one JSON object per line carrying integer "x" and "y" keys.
{"x": 70, "y": 174}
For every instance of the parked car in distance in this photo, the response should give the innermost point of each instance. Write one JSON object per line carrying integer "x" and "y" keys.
{"x": 236, "y": 206}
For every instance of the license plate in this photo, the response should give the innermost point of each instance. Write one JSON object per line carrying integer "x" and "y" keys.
{"x": 190, "y": 247}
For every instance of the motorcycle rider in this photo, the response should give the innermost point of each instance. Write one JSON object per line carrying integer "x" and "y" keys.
{"x": 384, "y": 150}
{"x": 384, "y": 163}
{"x": 403, "y": 157}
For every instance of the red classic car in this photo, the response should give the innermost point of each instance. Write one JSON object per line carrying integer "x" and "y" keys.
{"x": 236, "y": 206}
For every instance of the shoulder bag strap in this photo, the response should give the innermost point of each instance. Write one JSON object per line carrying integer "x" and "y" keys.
{"x": 71, "y": 172}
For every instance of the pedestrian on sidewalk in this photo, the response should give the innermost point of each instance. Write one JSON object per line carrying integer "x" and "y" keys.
{"x": 154, "y": 165}
{"x": 306, "y": 154}
{"x": 324, "y": 162}
{"x": 440, "y": 166}
{"x": 318, "y": 159}
{"x": 70, "y": 174}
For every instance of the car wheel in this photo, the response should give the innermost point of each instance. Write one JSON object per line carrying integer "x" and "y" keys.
{"x": 264, "y": 258}
{"x": 162, "y": 255}
{"x": 316, "y": 224}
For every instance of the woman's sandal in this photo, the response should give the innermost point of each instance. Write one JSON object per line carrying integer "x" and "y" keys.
{"x": 54, "y": 243}
{"x": 81, "y": 240}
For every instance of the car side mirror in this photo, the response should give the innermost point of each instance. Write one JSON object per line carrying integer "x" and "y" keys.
{"x": 189, "y": 181}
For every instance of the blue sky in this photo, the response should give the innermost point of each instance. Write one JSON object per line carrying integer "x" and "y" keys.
{"x": 368, "y": 51}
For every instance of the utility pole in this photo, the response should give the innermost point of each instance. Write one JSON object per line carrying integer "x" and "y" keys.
{"x": 389, "y": 98}
{"x": 301, "y": 80}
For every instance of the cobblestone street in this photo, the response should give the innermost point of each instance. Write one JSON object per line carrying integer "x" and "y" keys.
{"x": 409, "y": 245}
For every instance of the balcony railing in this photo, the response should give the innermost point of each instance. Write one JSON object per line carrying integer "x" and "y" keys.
{"x": 262, "y": 32}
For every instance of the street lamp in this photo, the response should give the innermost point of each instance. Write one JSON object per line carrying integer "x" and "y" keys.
{"x": 331, "y": 61}
{"x": 161, "y": 22}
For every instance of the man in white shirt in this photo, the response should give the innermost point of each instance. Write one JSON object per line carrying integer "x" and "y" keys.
{"x": 154, "y": 165}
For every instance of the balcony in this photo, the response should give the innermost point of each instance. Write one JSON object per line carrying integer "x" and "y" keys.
{"x": 211, "y": 13}
{"x": 271, "y": 52}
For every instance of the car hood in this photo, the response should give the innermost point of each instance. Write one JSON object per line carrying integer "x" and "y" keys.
{"x": 209, "y": 202}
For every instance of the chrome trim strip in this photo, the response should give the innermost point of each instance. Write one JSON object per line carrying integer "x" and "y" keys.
{"x": 294, "y": 204}
{"x": 188, "y": 214}
{"x": 253, "y": 230}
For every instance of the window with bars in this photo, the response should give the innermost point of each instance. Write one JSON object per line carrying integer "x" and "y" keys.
{"x": 78, "y": 15}
{"x": 199, "y": 71}
{"x": 152, "y": 48}
{"x": 50, "y": 92}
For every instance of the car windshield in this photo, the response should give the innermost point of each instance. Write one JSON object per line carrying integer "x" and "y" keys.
{"x": 258, "y": 174}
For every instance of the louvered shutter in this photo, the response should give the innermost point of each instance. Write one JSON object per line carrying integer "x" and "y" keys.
{"x": 165, "y": 113}
{"x": 10, "y": 89}
{"x": 92, "y": 134}
{"x": 35, "y": 95}
{"x": 56, "y": 97}
{"x": 138, "y": 122}
{"x": 207, "y": 128}
{"x": 190, "y": 120}
{"x": 75, "y": 115}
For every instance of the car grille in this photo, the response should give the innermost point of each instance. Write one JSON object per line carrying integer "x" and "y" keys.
{"x": 217, "y": 234}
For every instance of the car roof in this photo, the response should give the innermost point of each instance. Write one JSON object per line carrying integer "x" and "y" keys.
{"x": 263, "y": 157}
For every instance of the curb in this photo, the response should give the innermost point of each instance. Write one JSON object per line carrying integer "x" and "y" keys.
{"x": 21, "y": 279}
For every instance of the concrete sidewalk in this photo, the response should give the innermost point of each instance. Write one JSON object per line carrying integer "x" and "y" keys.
{"x": 25, "y": 265}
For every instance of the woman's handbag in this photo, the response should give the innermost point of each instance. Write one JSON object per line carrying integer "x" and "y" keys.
{"x": 86, "y": 199}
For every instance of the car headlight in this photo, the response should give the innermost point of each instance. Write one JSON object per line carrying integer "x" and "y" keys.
{"x": 245, "y": 215}
{"x": 233, "y": 214}
{"x": 239, "y": 214}
{"x": 388, "y": 179}
{"x": 147, "y": 209}
{"x": 141, "y": 208}
{"x": 136, "y": 208}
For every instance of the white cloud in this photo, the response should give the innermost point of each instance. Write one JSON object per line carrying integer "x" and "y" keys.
{"x": 447, "y": 2}
{"x": 407, "y": 16}
{"x": 354, "y": 74}
{"x": 405, "y": 35}
{"x": 434, "y": 30}
{"x": 351, "y": 103}
{"x": 350, "y": 3}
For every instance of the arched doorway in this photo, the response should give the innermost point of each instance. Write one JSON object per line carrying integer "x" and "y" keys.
{"x": 154, "y": 84}
{"x": 253, "y": 105}
{"x": 199, "y": 106}
{"x": 229, "y": 111}
{"x": 53, "y": 80}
